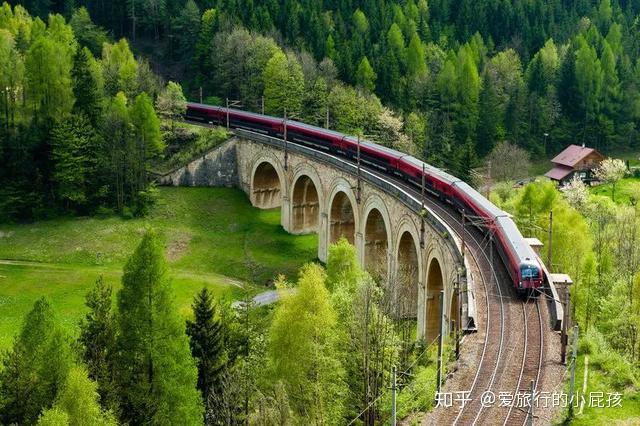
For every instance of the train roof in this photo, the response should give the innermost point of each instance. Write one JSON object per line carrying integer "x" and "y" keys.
{"x": 480, "y": 200}
{"x": 514, "y": 238}
{"x": 431, "y": 169}
{"x": 316, "y": 128}
{"x": 389, "y": 151}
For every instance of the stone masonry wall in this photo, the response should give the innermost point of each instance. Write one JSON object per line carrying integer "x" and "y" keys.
{"x": 217, "y": 167}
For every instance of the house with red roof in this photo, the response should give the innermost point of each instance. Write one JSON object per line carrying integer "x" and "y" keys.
{"x": 575, "y": 159}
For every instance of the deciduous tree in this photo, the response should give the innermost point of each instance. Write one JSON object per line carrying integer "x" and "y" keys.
{"x": 304, "y": 352}
{"x": 283, "y": 85}
{"x": 610, "y": 171}
{"x": 156, "y": 375}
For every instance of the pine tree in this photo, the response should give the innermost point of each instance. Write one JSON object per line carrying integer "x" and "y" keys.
{"x": 74, "y": 145}
{"x": 97, "y": 338}
{"x": 86, "y": 87}
{"x": 416, "y": 65}
{"x": 35, "y": 368}
{"x": 366, "y": 76}
{"x": 156, "y": 376}
{"x": 207, "y": 340}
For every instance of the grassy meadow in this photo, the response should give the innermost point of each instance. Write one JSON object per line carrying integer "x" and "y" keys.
{"x": 213, "y": 237}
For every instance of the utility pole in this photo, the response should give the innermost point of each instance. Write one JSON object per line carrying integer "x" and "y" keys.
{"x": 262, "y": 104}
{"x": 200, "y": 94}
{"x": 491, "y": 253}
{"x": 464, "y": 219}
{"x": 286, "y": 154}
{"x": 326, "y": 124}
{"x": 565, "y": 319}
{"x": 359, "y": 187}
{"x": 422, "y": 210}
{"x": 488, "y": 179}
{"x": 393, "y": 396}
{"x": 572, "y": 383}
{"x": 530, "y": 412}
{"x": 440, "y": 341}
{"x": 458, "y": 323}
{"x": 550, "y": 240}
{"x": 232, "y": 103}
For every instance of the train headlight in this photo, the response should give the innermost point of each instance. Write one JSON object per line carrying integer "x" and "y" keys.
{"x": 520, "y": 284}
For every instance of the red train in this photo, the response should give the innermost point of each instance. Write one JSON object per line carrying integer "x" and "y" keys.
{"x": 520, "y": 260}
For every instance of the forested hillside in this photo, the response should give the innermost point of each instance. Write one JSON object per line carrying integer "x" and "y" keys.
{"x": 463, "y": 74}
{"x": 443, "y": 80}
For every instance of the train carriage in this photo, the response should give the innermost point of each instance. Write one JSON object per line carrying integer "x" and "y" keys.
{"x": 519, "y": 259}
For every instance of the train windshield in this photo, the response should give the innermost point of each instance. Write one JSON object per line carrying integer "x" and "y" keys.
{"x": 529, "y": 272}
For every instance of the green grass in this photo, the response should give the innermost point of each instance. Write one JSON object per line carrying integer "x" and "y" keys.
{"x": 211, "y": 235}
{"x": 627, "y": 414}
{"x": 622, "y": 187}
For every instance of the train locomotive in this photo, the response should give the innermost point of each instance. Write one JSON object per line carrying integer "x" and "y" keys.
{"x": 519, "y": 258}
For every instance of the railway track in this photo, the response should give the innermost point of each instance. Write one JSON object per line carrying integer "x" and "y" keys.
{"x": 510, "y": 357}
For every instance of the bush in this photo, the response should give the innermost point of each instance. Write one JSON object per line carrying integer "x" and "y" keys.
{"x": 104, "y": 212}
{"x": 146, "y": 200}
{"x": 127, "y": 213}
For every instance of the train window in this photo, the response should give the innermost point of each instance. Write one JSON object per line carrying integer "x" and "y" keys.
{"x": 529, "y": 272}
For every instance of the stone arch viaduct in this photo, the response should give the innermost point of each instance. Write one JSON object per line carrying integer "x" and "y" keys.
{"x": 411, "y": 248}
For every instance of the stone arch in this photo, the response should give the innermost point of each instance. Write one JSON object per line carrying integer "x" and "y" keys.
{"x": 408, "y": 271}
{"x": 267, "y": 183}
{"x": 342, "y": 213}
{"x": 306, "y": 199}
{"x": 434, "y": 284}
{"x": 377, "y": 237}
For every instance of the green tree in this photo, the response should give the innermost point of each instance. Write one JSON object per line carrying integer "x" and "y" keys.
{"x": 207, "y": 340}
{"x": 78, "y": 399}
{"x": 187, "y": 29}
{"x": 88, "y": 34}
{"x": 119, "y": 69}
{"x": 171, "y": 103}
{"x": 116, "y": 132}
{"x": 589, "y": 79}
{"x": 468, "y": 94}
{"x": 11, "y": 77}
{"x": 366, "y": 76}
{"x": 87, "y": 85}
{"x": 303, "y": 350}
{"x": 97, "y": 338}
{"x": 74, "y": 144}
{"x": 283, "y": 85}
{"x": 48, "y": 73}
{"x": 208, "y": 28}
{"x": 156, "y": 376}
{"x": 35, "y": 368}
{"x": 53, "y": 417}
{"x": 146, "y": 134}
{"x": 416, "y": 64}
